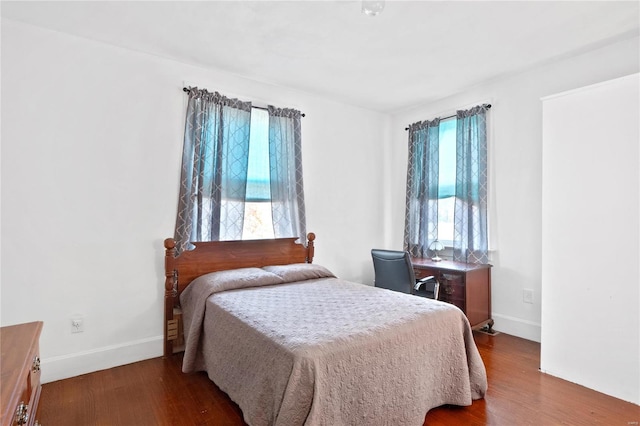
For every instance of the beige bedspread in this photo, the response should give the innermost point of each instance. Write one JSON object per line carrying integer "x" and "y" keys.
{"x": 324, "y": 351}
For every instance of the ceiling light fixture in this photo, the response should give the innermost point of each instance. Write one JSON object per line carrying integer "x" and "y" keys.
{"x": 372, "y": 7}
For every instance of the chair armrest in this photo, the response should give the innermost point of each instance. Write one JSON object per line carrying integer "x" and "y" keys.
{"x": 422, "y": 281}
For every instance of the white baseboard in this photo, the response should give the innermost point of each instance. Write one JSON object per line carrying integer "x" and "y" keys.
{"x": 71, "y": 365}
{"x": 76, "y": 364}
{"x": 517, "y": 327}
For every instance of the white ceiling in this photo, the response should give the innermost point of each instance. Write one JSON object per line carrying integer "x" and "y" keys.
{"x": 414, "y": 52}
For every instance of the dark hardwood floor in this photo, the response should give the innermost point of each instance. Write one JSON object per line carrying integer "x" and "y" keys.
{"x": 156, "y": 392}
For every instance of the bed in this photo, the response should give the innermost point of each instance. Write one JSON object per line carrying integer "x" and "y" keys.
{"x": 292, "y": 344}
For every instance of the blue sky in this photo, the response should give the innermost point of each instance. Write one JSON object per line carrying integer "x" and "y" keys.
{"x": 258, "y": 173}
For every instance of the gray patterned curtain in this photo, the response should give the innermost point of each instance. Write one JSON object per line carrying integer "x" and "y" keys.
{"x": 470, "y": 240}
{"x": 285, "y": 157}
{"x": 421, "y": 217}
{"x": 214, "y": 169}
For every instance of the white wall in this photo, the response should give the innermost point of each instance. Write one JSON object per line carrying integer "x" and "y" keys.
{"x": 590, "y": 244}
{"x": 91, "y": 141}
{"x": 515, "y": 168}
{"x": 91, "y": 149}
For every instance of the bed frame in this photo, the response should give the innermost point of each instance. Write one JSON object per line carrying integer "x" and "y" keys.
{"x": 213, "y": 256}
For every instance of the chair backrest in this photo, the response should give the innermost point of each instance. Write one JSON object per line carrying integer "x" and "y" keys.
{"x": 393, "y": 270}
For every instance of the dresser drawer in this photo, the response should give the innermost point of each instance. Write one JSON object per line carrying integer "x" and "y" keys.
{"x": 20, "y": 373}
{"x": 34, "y": 384}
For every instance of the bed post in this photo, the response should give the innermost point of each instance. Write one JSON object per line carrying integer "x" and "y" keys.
{"x": 169, "y": 294}
{"x": 310, "y": 247}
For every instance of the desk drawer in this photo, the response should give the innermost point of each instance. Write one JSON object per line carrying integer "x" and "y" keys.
{"x": 453, "y": 279}
{"x": 460, "y": 303}
{"x": 452, "y": 290}
{"x": 421, "y": 273}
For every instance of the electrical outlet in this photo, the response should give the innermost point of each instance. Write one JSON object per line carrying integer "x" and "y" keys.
{"x": 527, "y": 295}
{"x": 77, "y": 325}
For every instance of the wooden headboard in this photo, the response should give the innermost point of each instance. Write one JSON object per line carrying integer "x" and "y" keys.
{"x": 214, "y": 256}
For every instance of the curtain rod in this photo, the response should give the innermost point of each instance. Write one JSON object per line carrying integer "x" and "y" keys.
{"x": 488, "y": 106}
{"x": 186, "y": 89}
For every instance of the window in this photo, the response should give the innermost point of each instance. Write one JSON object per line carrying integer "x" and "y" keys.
{"x": 220, "y": 185}
{"x": 446, "y": 180}
{"x": 447, "y": 185}
{"x": 258, "y": 223}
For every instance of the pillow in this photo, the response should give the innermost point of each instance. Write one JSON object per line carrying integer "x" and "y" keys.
{"x": 233, "y": 279}
{"x": 299, "y": 272}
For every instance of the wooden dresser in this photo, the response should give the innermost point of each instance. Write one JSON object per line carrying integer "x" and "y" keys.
{"x": 466, "y": 285}
{"x": 20, "y": 366}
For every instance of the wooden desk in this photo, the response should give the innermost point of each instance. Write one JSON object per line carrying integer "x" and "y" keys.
{"x": 466, "y": 285}
{"x": 20, "y": 373}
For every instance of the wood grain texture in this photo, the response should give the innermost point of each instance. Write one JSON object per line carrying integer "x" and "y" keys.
{"x": 213, "y": 256}
{"x": 19, "y": 381}
{"x": 156, "y": 392}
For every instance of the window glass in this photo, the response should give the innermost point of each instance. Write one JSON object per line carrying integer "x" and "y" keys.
{"x": 257, "y": 215}
{"x": 446, "y": 180}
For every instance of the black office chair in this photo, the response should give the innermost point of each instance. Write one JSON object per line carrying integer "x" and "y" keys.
{"x": 393, "y": 271}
